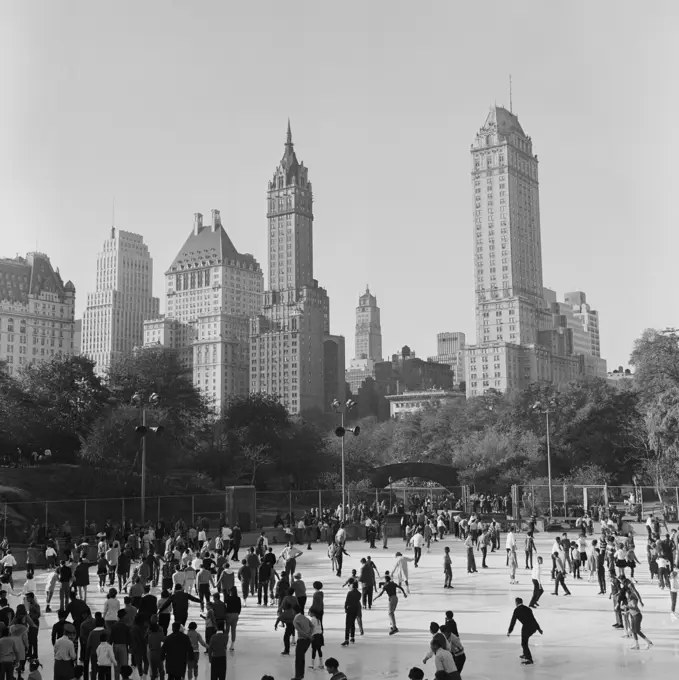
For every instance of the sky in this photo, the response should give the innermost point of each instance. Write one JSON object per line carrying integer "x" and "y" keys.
{"x": 174, "y": 108}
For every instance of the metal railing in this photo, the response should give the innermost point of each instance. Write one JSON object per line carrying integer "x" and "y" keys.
{"x": 86, "y": 517}
{"x": 570, "y": 501}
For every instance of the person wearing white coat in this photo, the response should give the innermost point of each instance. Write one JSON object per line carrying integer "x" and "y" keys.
{"x": 399, "y": 573}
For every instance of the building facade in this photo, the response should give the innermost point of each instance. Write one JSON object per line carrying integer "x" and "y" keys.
{"x": 450, "y": 350}
{"x": 77, "y": 335}
{"x": 521, "y": 337}
{"x": 334, "y": 384}
{"x": 407, "y": 373}
{"x": 287, "y": 338}
{"x": 113, "y": 320}
{"x": 406, "y": 404}
{"x": 588, "y": 316}
{"x": 212, "y": 291}
{"x": 367, "y": 344}
{"x": 37, "y": 311}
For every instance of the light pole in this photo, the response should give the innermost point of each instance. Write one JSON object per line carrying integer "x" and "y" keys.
{"x": 143, "y": 430}
{"x": 547, "y": 408}
{"x": 340, "y": 432}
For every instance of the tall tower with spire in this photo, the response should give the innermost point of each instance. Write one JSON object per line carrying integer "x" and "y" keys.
{"x": 287, "y": 338}
{"x": 290, "y": 217}
{"x": 368, "y": 339}
{"x": 368, "y": 342}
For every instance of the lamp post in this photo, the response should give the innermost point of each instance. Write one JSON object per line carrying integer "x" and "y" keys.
{"x": 546, "y": 408}
{"x": 143, "y": 430}
{"x": 340, "y": 408}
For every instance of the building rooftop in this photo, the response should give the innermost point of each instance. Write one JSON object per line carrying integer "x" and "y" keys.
{"x": 505, "y": 121}
{"x": 32, "y": 275}
{"x": 209, "y": 246}
{"x": 423, "y": 394}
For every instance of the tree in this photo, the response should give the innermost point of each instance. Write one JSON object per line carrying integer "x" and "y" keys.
{"x": 655, "y": 358}
{"x": 183, "y": 411}
{"x": 256, "y": 457}
{"x": 157, "y": 370}
{"x": 68, "y": 397}
{"x": 258, "y": 417}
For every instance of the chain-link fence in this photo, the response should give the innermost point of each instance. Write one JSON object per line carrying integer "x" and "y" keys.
{"x": 21, "y": 520}
{"x": 570, "y": 501}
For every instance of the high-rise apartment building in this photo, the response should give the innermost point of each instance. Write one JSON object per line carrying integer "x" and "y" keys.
{"x": 520, "y": 339}
{"x": 368, "y": 342}
{"x": 113, "y": 321}
{"x": 589, "y": 317}
{"x": 212, "y": 291}
{"x": 37, "y": 311}
{"x": 450, "y": 350}
{"x": 287, "y": 338}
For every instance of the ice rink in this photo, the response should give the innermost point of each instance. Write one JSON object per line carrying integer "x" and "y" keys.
{"x": 578, "y": 638}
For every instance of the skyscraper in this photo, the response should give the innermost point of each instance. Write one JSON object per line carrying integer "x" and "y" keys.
{"x": 450, "y": 350}
{"x": 368, "y": 342}
{"x": 113, "y": 321}
{"x": 516, "y": 340}
{"x": 287, "y": 338}
{"x": 36, "y": 311}
{"x": 212, "y": 291}
{"x": 589, "y": 317}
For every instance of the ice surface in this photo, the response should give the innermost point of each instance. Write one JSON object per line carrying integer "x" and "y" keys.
{"x": 578, "y": 641}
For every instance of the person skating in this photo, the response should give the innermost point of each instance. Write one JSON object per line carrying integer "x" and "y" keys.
{"x": 471, "y": 562}
{"x": 179, "y": 601}
{"x": 332, "y": 667}
{"x": 560, "y": 575}
{"x": 417, "y": 542}
{"x": 305, "y": 631}
{"x": 289, "y": 557}
{"x": 447, "y": 569}
{"x": 529, "y": 549}
{"x": 390, "y": 589}
{"x": 538, "y": 590}
{"x": 399, "y": 573}
{"x": 339, "y": 553}
{"x": 443, "y": 661}
{"x": 635, "y": 620}
{"x": 352, "y": 607}
{"x": 529, "y": 626}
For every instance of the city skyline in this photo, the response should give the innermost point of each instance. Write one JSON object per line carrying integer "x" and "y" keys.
{"x": 163, "y": 156}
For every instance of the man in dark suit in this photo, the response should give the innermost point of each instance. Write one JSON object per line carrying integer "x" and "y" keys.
{"x": 529, "y": 626}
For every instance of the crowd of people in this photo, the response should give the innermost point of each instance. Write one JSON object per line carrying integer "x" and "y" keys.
{"x": 151, "y": 576}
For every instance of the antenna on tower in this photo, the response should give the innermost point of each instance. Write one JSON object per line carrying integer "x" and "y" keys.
{"x": 510, "y": 94}
{"x": 113, "y": 212}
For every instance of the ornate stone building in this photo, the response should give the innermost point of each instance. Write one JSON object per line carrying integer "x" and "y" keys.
{"x": 37, "y": 311}
{"x": 287, "y": 339}
{"x": 367, "y": 344}
{"x": 520, "y": 338}
{"x": 212, "y": 291}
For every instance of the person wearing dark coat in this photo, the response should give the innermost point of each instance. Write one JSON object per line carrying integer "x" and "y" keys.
{"x": 176, "y": 653}
{"x": 179, "y": 600}
{"x": 529, "y": 626}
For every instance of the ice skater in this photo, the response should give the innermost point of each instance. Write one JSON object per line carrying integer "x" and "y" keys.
{"x": 390, "y": 589}
{"x": 529, "y": 626}
{"x": 635, "y": 621}
{"x": 399, "y": 574}
{"x": 448, "y": 569}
